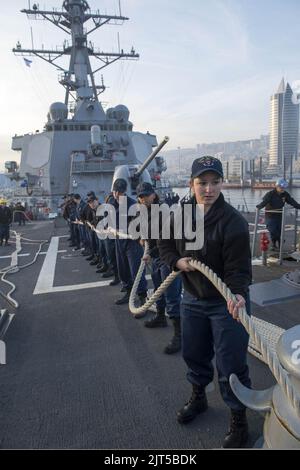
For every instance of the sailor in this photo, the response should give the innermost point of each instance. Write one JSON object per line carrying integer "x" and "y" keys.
{"x": 168, "y": 199}
{"x": 110, "y": 247}
{"x": 5, "y": 221}
{"x": 19, "y": 214}
{"x": 72, "y": 208}
{"x": 171, "y": 299}
{"x": 274, "y": 201}
{"x": 69, "y": 214}
{"x": 80, "y": 229}
{"x": 209, "y": 326}
{"x": 176, "y": 198}
{"x": 85, "y": 229}
{"x": 128, "y": 252}
{"x": 88, "y": 217}
{"x": 98, "y": 250}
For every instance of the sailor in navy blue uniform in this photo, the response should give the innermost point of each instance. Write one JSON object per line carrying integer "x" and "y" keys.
{"x": 128, "y": 252}
{"x": 209, "y": 326}
{"x": 274, "y": 201}
{"x": 170, "y": 301}
{"x": 5, "y": 221}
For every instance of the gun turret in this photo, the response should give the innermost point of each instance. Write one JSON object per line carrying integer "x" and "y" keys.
{"x": 151, "y": 157}
{"x": 133, "y": 174}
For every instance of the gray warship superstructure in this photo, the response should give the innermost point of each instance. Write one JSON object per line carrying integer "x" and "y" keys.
{"x": 81, "y": 144}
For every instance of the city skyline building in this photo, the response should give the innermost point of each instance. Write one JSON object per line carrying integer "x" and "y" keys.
{"x": 284, "y": 127}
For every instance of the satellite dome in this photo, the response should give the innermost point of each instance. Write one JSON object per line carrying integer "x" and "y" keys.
{"x": 121, "y": 113}
{"x": 58, "y": 111}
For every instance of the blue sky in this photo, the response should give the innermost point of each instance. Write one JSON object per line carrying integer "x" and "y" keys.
{"x": 206, "y": 72}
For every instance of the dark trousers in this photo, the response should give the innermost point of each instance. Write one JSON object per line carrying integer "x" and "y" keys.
{"x": 209, "y": 330}
{"x": 274, "y": 227}
{"x": 102, "y": 250}
{"x": 93, "y": 243}
{"x": 111, "y": 254}
{"x": 171, "y": 299}
{"x": 75, "y": 236}
{"x": 4, "y": 232}
{"x": 83, "y": 236}
{"x": 129, "y": 254}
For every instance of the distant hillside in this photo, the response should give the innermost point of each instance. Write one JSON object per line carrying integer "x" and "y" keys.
{"x": 182, "y": 158}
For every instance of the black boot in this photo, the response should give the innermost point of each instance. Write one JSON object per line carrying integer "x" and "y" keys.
{"x": 142, "y": 300}
{"x": 115, "y": 281}
{"x": 237, "y": 435}
{"x": 102, "y": 269}
{"x": 175, "y": 344}
{"x": 95, "y": 261}
{"x": 90, "y": 257}
{"x": 124, "y": 299}
{"x": 158, "y": 321}
{"x": 197, "y": 404}
{"x": 108, "y": 273}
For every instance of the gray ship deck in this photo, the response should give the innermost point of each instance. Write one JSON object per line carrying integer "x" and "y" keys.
{"x": 83, "y": 373}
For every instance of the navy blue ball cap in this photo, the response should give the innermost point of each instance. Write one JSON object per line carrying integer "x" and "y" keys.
{"x": 120, "y": 185}
{"x": 144, "y": 189}
{"x": 92, "y": 198}
{"x": 207, "y": 163}
{"x": 282, "y": 183}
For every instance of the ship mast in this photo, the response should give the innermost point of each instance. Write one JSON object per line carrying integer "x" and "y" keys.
{"x": 79, "y": 78}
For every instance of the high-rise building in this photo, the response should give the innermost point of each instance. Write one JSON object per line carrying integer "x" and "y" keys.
{"x": 284, "y": 126}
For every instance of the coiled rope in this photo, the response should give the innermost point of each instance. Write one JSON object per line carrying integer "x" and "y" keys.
{"x": 268, "y": 354}
{"x": 14, "y": 267}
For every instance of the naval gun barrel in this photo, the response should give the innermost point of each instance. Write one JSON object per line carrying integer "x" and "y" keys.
{"x": 151, "y": 157}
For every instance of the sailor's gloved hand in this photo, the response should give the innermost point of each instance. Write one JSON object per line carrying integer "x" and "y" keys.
{"x": 233, "y": 307}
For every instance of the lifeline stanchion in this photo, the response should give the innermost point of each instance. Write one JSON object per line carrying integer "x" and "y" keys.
{"x": 282, "y": 232}
{"x": 255, "y": 233}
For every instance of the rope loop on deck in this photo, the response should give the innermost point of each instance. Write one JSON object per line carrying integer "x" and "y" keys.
{"x": 269, "y": 356}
